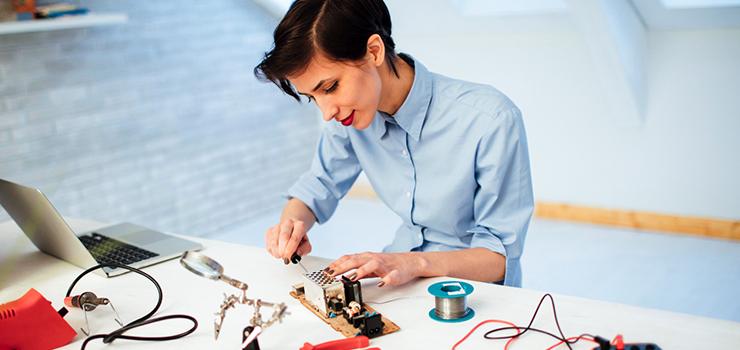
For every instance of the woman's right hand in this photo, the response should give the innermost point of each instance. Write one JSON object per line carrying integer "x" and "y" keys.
{"x": 286, "y": 238}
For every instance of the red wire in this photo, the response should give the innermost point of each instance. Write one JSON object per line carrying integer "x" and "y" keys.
{"x": 490, "y": 321}
{"x": 515, "y": 337}
{"x": 573, "y": 338}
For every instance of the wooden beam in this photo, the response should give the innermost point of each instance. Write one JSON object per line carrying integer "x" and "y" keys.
{"x": 633, "y": 219}
{"x": 640, "y": 220}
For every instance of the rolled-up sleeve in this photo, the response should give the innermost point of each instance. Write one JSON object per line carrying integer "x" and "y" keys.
{"x": 503, "y": 202}
{"x": 333, "y": 171}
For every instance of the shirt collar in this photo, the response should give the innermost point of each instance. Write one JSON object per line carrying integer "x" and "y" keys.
{"x": 412, "y": 113}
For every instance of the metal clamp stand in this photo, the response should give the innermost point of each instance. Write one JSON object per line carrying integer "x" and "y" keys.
{"x": 204, "y": 266}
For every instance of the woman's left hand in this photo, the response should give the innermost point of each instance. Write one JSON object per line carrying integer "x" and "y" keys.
{"x": 393, "y": 268}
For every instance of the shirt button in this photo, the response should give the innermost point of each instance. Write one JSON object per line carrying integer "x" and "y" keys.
{"x": 408, "y": 194}
{"x": 404, "y": 152}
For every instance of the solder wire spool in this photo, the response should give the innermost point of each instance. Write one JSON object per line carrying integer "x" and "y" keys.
{"x": 449, "y": 301}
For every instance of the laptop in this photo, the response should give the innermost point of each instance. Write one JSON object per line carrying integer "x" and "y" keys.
{"x": 124, "y": 243}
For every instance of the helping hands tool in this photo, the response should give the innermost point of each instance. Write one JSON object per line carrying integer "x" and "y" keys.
{"x": 204, "y": 266}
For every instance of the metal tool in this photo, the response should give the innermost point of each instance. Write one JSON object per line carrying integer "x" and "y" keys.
{"x": 204, "y": 266}
{"x": 296, "y": 259}
{"x": 88, "y": 301}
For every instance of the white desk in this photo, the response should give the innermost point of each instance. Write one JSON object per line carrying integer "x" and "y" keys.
{"x": 23, "y": 267}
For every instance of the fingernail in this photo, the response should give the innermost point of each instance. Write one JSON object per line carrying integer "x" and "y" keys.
{"x": 285, "y": 261}
{"x": 380, "y": 284}
{"x": 331, "y": 272}
{"x": 352, "y": 276}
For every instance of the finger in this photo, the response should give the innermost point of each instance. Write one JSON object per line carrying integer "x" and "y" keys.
{"x": 336, "y": 263}
{"x": 372, "y": 266}
{"x": 299, "y": 233}
{"x": 286, "y": 229}
{"x": 393, "y": 278}
{"x": 305, "y": 247}
{"x": 351, "y": 262}
{"x": 343, "y": 259}
{"x": 271, "y": 240}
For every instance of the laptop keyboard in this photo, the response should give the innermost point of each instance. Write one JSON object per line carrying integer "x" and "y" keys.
{"x": 108, "y": 250}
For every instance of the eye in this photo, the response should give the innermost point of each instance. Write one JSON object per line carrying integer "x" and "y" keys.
{"x": 332, "y": 87}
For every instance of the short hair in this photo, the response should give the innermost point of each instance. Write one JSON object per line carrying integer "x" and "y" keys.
{"x": 338, "y": 29}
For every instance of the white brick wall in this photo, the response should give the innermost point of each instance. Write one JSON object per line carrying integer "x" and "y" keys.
{"x": 158, "y": 121}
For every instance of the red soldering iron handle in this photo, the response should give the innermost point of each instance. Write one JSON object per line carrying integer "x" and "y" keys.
{"x": 359, "y": 341}
{"x": 22, "y": 320}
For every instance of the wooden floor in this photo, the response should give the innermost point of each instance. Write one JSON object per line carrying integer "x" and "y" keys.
{"x": 681, "y": 273}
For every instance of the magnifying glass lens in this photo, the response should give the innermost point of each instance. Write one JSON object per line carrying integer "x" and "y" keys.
{"x": 201, "y": 265}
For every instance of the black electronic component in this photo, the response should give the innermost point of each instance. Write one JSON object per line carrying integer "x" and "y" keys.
{"x": 336, "y": 305}
{"x": 630, "y": 346}
{"x": 372, "y": 325}
{"x": 358, "y": 321}
{"x": 352, "y": 291}
{"x": 346, "y": 314}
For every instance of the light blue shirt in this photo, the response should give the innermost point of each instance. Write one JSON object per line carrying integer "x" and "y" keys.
{"x": 452, "y": 163}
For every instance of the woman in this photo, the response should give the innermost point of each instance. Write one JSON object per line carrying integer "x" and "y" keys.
{"x": 449, "y": 157}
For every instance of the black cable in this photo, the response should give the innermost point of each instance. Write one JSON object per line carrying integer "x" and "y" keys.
{"x": 530, "y": 328}
{"x": 141, "y": 321}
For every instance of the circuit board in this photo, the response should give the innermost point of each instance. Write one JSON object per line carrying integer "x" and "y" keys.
{"x": 341, "y": 325}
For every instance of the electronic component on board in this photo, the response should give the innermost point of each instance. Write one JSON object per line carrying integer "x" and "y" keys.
{"x": 298, "y": 289}
{"x": 320, "y": 287}
{"x": 351, "y": 310}
{"x": 372, "y": 325}
{"x": 358, "y": 320}
{"x": 336, "y": 305}
{"x": 330, "y": 298}
{"x": 352, "y": 290}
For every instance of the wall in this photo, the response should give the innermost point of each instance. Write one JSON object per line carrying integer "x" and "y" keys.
{"x": 682, "y": 160}
{"x": 158, "y": 121}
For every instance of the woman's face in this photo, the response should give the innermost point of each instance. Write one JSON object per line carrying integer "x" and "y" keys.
{"x": 347, "y": 92}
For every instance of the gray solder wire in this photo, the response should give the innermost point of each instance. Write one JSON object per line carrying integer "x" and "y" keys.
{"x": 450, "y": 308}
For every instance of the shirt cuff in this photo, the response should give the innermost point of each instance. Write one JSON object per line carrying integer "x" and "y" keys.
{"x": 484, "y": 238}
{"x": 314, "y": 194}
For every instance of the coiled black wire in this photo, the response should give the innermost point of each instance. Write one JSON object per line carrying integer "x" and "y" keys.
{"x": 141, "y": 321}
{"x": 529, "y": 327}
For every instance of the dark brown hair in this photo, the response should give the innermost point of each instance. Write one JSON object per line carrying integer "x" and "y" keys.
{"x": 337, "y": 28}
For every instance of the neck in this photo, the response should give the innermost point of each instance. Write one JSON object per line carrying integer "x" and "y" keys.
{"x": 395, "y": 88}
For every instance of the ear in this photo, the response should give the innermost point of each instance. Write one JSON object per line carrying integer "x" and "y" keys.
{"x": 375, "y": 50}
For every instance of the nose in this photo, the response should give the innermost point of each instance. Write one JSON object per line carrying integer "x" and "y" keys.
{"x": 328, "y": 111}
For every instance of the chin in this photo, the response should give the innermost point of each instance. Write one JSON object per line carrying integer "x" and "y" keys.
{"x": 362, "y": 124}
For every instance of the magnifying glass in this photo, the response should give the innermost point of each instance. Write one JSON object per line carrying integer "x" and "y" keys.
{"x": 204, "y": 266}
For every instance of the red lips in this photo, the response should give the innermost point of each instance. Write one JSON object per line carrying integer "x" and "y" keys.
{"x": 348, "y": 121}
